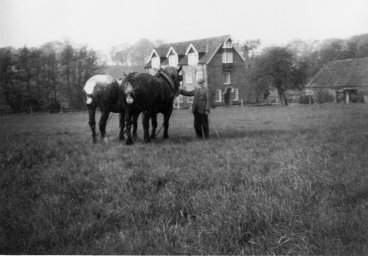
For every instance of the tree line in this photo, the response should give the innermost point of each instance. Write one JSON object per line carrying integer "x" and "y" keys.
{"x": 52, "y": 76}
{"x": 48, "y": 77}
{"x": 291, "y": 66}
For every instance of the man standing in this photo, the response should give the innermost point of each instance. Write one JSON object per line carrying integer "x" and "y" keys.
{"x": 200, "y": 108}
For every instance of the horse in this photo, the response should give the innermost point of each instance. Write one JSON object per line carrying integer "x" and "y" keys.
{"x": 151, "y": 95}
{"x": 106, "y": 93}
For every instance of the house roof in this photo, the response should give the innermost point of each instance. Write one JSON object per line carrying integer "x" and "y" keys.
{"x": 206, "y": 48}
{"x": 342, "y": 74}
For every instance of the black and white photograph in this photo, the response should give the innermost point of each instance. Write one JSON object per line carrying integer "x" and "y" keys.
{"x": 194, "y": 127}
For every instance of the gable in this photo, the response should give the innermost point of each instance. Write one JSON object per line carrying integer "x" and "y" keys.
{"x": 153, "y": 54}
{"x": 171, "y": 52}
{"x": 223, "y": 45}
{"x": 191, "y": 49}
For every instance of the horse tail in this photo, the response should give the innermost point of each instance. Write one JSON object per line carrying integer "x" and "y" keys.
{"x": 129, "y": 92}
{"x": 88, "y": 89}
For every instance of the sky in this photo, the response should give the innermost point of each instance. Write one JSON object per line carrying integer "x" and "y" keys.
{"x": 101, "y": 24}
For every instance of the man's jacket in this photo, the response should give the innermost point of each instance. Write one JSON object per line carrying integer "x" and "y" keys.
{"x": 201, "y": 101}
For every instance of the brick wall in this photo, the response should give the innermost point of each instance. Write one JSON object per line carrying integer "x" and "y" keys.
{"x": 216, "y": 72}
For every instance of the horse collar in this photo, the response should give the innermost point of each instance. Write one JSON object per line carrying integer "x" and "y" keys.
{"x": 168, "y": 79}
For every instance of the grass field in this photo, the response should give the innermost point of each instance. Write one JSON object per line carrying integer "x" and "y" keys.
{"x": 270, "y": 180}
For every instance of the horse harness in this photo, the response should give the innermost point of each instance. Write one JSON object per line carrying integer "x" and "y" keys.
{"x": 169, "y": 80}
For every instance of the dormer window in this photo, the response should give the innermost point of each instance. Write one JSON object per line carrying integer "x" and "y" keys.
{"x": 173, "y": 59}
{"x": 228, "y": 44}
{"x": 192, "y": 55}
{"x": 192, "y": 58}
{"x": 155, "y": 60}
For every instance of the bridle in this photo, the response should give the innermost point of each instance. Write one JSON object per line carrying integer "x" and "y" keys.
{"x": 168, "y": 79}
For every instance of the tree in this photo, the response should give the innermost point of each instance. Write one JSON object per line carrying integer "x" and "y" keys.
{"x": 135, "y": 55}
{"x": 24, "y": 67}
{"x": 249, "y": 48}
{"x": 119, "y": 54}
{"x": 7, "y": 71}
{"x": 358, "y": 46}
{"x": 49, "y": 73}
{"x": 277, "y": 67}
{"x": 31, "y": 78}
{"x": 141, "y": 51}
{"x": 66, "y": 72}
{"x": 76, "y": 66}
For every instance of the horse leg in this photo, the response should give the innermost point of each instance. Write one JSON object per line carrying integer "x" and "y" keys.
{"x": 121, "y": 125}
{"x": 145, "y": 124}
{"x": 102, "y": 123}
{"x": 128, "y": 125}
{"x": 154, "y": 125}
{"x": 92, "y": 121}
{"x": 166, "y": 122}
{"x": 135, "y": 125}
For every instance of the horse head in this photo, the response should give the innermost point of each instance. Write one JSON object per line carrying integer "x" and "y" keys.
{"x": 174, "y": 75}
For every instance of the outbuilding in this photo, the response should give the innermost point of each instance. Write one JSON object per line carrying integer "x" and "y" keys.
{"x": 341, "y": 81}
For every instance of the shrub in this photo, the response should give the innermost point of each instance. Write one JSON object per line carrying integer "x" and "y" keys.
{"x": 306, "y": 99}
{"x": 324, "y": 96}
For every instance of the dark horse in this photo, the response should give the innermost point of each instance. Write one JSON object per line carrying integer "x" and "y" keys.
{"x": 107, "y": 94}
{"x": 151, "y": 95}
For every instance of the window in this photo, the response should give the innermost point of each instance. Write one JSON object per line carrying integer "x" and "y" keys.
{"x": 192, "y": 55}
{"x": 155, "y": 62}
{"x": 228, "y": 44}
{"x": 188, "y": 78}
{"x": 227, "y": 57}
{"x": 177, "y": 101}
{"x": 173, "y": 60}
{"x": 189, "y": 87}
{"x": 227, "y": 78}
{"x": 192, "y": 58}
{"x": 218, "y": 96}
{"x": 235, "y": 93}
{"x": 199, "y": 75}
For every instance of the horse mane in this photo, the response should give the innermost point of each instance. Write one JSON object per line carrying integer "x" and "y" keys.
{"x": 171, "y": 71}
{"x": 130, "y": 75}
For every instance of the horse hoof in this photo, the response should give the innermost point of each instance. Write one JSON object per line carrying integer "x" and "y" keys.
{"x": 129, "y": 142}
{"x": 94, "y": 140}
{"x": 147, "y": 140}
{"x": 105, "y": 140}
{"x": 121, "y": 138}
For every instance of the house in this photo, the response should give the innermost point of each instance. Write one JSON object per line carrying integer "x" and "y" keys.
{"x": 214, "y": 59}
{"x": 341, "y": 80}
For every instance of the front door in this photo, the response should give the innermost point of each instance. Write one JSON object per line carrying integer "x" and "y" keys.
{"x": 228, "y": 97}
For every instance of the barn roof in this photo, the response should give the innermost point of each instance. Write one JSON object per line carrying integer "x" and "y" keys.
{"x": 342, "y": 74}
{"x": 206, "y": 48}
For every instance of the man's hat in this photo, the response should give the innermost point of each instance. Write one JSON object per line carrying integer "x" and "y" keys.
{"x": 200, "y": 81}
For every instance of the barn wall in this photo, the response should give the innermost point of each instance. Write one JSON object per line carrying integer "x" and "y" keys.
{"x": 325, "y": 95}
